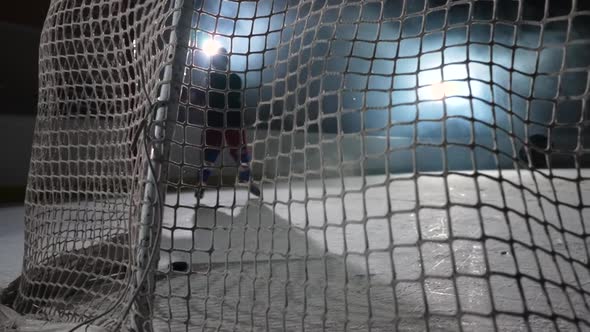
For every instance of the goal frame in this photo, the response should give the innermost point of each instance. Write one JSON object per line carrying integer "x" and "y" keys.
{"x": 162, "y": 125}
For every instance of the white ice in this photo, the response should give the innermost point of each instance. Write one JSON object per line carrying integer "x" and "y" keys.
{"x": 357, "y": 251}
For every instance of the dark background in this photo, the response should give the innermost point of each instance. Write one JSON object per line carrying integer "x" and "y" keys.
{"x": 20, "y": 28}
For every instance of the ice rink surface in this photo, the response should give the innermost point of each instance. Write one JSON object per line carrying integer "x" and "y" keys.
{"x": 11, "y": 242}
{"x": 354, "y": 253}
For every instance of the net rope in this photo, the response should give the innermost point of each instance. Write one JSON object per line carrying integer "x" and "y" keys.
{"x": 421, "y": 166}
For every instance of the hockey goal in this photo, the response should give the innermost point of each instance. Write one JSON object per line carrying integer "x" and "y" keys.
{"x": 420, "y": 166}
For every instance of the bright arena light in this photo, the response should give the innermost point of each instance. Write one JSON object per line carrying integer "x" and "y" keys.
{"x": 444, "y": 89}
{"x": 211, "y": 47}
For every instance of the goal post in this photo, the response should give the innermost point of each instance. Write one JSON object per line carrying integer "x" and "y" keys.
{"x": 163, "y": 125}
{"x": 318, "y": 165}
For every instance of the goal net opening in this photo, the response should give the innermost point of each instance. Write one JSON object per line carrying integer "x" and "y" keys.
{"x": 311, "y": 165}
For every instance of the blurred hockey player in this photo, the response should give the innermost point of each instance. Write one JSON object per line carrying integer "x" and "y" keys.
{"x": 224, "y": 126}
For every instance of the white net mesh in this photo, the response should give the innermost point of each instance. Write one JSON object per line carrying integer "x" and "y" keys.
{"x": 325, "y": 165}
{"x": 85, "y": 175}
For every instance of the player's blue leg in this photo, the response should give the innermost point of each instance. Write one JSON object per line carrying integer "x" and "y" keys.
{"x": 245, "y": 158}
{"x": 211, "y": 156}
{"x": 244, "y": 170}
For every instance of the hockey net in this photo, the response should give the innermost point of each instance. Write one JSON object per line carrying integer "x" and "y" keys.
{"x": 421, "y": 166}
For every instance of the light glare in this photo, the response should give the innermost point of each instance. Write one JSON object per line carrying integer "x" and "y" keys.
{"x": 444, "y": 89}
{"x": 211, "y": 47}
